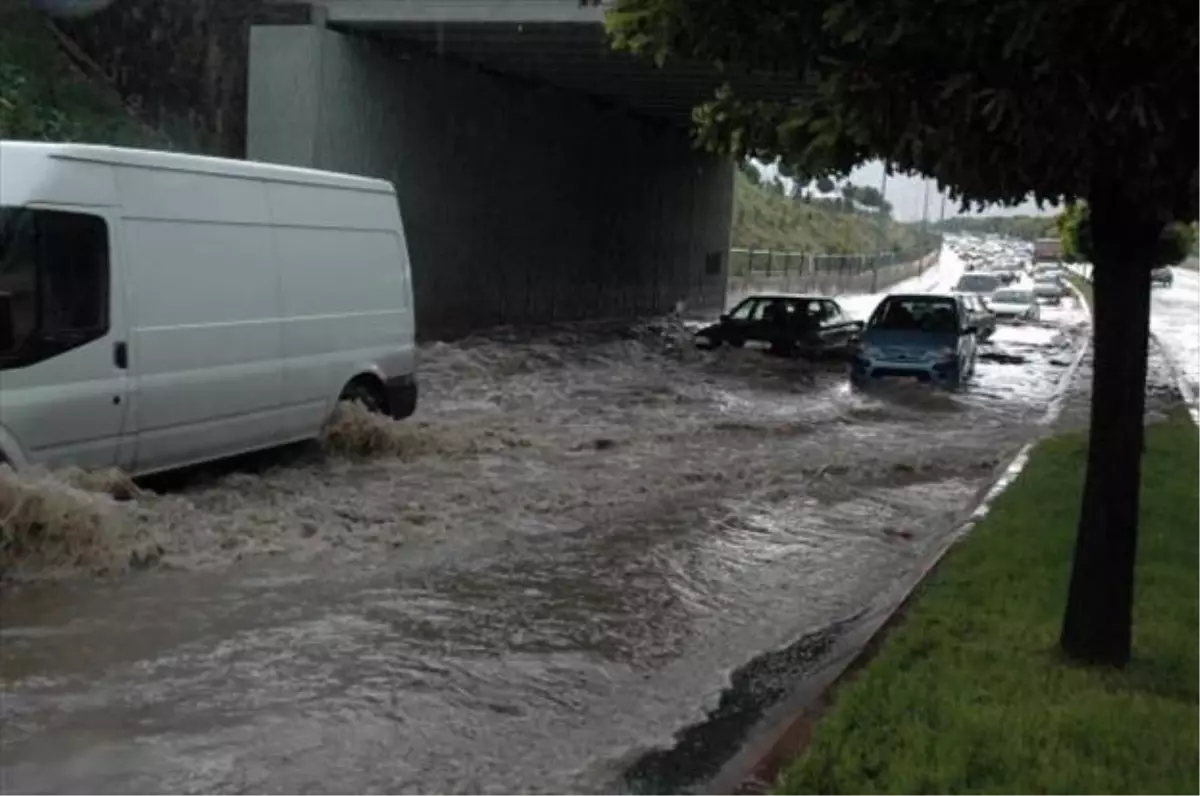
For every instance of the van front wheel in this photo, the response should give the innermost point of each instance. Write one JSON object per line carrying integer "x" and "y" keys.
{"x": 368, "y": 393}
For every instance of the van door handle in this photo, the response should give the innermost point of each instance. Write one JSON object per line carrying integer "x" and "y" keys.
{"x": 121, "y": 354}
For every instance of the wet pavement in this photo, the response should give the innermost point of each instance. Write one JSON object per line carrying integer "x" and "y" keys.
{"x": 584, "y": 541}
{"x": 1175, "y": 321}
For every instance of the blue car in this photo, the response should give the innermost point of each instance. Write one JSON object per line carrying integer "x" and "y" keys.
{"x": 929, "y": 337}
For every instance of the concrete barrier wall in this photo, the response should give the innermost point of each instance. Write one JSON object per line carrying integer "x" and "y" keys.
{"x": 522, "y": 204}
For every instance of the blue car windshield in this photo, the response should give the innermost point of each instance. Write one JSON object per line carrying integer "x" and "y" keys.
{"x": 931, "y": 314}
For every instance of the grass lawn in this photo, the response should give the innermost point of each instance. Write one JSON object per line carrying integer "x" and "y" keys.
{"x": 969, "y": 694}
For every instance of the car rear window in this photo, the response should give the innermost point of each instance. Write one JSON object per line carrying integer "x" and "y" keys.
{"x": 1012, "y": 297}
{"x": 977, "y": 283}
{"x": 916, "y": 313}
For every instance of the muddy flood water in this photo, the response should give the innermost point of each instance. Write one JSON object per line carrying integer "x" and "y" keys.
{"x": 552, "y": 570}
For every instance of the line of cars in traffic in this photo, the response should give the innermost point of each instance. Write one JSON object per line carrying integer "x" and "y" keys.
{"x": 933, "y": 337}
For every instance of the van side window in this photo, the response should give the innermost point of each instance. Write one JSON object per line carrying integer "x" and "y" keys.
{"x": 54, "y": 283}
{"x": 74, "y": 264}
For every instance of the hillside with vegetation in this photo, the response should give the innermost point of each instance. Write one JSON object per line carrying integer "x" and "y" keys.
{"x": 764, "y": 217}
{"x": 169, "y": 73}
{"x": 45, "y": 95}
{"x": 1023, "y": 227}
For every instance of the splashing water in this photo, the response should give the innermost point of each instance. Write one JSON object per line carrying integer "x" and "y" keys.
{"x": 51, "y": 523}
{"x": 518, "y": 433}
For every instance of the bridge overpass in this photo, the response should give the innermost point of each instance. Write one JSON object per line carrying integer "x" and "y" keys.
{"x": 541, "y": 175}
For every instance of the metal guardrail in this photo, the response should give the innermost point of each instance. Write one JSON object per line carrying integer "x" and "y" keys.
{"x": 825, "y": 274}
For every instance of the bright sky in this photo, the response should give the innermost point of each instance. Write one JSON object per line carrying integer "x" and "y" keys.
{"x": 908, "y": 193}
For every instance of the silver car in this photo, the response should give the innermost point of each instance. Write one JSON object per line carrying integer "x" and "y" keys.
{"x": 1050, "y": 288}
{"x": 1015, "y": 304}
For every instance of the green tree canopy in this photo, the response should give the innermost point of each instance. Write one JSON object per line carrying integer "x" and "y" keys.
{"x": 998, "y": 100}
{"x": 870, "y": 196}
{"x": 825, "y": 185}
{"x": 749, "y": 169}
{"x": 1175, "y": 243}
{"x": 1074, "y": 229}
{"x": 793, "y": 172}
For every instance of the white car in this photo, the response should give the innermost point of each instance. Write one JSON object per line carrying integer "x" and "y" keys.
{"x": 979, "y": 283}
{"x": 160, "y": 309}
{"x": 1043, "y": 272}
{"x": 1015, "y": 304}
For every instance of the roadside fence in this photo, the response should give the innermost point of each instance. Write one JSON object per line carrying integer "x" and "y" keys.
{"x": 757, "y": 270}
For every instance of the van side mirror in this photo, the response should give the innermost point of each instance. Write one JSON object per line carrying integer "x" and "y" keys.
{"x": 724, "y": 317}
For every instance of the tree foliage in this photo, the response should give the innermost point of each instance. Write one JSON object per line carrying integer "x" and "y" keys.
{"x": 792, "y": 172}
{"x": 995, "y": 100}
{"x": 870, "y": 196}
{"x": 1175, "y": 243}
{"x": 825, "y": 184}
{"x": 1075, "y": 230}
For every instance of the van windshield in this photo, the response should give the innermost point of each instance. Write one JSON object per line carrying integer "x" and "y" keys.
{"x": 54, "y": 282}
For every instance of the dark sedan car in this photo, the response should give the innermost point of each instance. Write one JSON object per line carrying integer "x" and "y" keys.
{"x": 1162, "y": 277}
{"x": 787, "y": 325}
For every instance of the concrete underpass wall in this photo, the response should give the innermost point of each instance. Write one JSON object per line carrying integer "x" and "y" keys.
{"x": 521, "y": 204}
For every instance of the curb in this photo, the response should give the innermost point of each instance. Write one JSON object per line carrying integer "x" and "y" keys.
{"x": 787, "y": 729}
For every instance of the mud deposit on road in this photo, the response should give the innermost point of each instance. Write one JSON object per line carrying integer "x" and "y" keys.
{"x": 553, "y": 571}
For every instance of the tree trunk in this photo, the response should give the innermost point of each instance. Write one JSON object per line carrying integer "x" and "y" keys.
{"x": 1098, "y": 623}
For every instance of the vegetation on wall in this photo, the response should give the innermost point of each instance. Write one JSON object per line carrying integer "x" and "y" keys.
{"x": 161, "y": 72}
{"x": 44, "y": 96}
{"x": 182, "y": 63}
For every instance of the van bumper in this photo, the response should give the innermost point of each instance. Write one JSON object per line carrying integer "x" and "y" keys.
{"x": 401, "y": 396}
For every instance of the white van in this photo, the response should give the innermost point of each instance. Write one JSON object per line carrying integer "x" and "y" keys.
{"x": 159, "y": 310}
